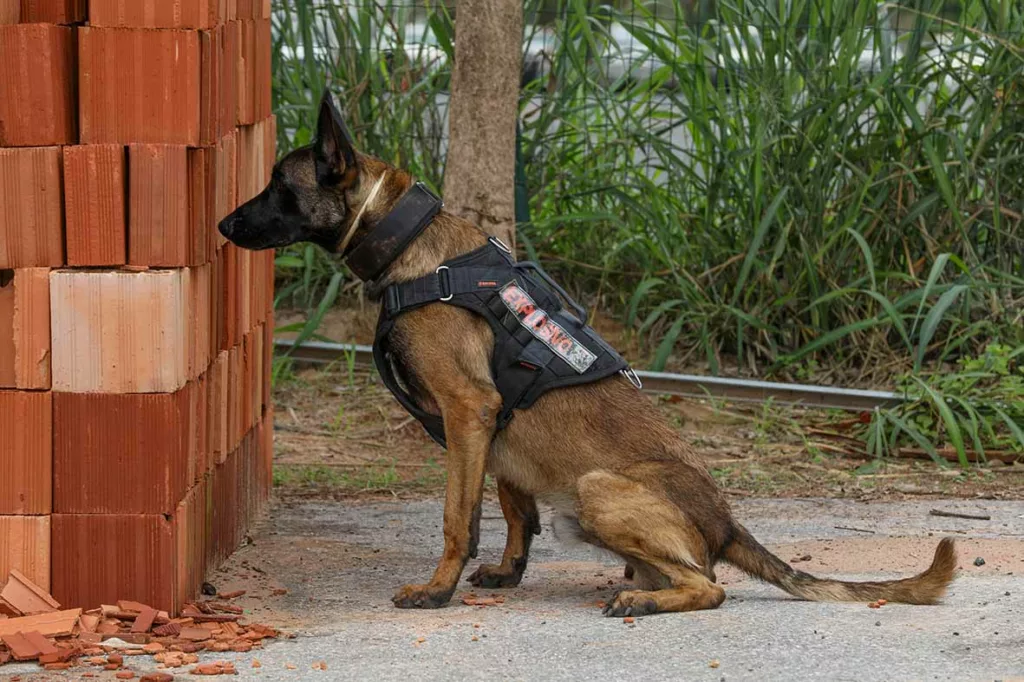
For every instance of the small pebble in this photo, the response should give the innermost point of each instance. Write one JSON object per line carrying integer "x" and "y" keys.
{"x": 979, "y": 562}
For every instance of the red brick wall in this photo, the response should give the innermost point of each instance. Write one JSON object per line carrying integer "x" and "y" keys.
{"x": 134, "y": 341}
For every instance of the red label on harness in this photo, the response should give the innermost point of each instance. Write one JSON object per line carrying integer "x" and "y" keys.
{"x": 575, "y": 354}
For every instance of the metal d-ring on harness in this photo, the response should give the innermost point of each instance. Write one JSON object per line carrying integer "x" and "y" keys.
{"x": 538, "y": 344}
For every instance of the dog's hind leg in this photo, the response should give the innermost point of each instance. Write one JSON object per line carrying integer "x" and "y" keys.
{"x": 626, "y": 517}
{"x": 520, "y": 510}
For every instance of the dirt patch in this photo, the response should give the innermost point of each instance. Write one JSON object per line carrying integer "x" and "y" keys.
{"x": 339, "y": 433}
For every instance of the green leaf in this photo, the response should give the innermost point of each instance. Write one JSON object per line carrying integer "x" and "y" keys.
{"x": 950, "y": 421}
{"x": 289, "y": 262}
{"x": 931, "y": 322}
{"x": 918, "y": 438}
{"x": 440, "y": 29}
{"x": 642, "y": 289}
{"x": 942, "y": 179}
{"x": 894, "y": 316}
{"x": 869, "y": 468}
{"x": 933, "y": 276}
{"x": 329, "y": 297}
{"x": 755, "y": 243}
{"x": 869, "y": 261}
{"x": 827, "y": 339}
{"x": 667, "y": 344}
{"x": 1012, "y": 425}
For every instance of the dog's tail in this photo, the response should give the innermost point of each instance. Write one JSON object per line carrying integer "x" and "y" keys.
{"x": 749, "y": 555}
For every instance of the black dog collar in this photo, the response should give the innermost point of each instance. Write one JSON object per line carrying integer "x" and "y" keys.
{"x": 388, "y": 240}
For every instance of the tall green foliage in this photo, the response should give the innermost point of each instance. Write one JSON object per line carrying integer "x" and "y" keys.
{"x": 781, "y": 184}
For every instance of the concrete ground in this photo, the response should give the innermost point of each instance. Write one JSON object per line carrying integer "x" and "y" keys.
{"x": 341, "y": 562}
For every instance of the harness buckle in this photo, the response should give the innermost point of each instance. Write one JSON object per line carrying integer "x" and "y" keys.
{"x": 392, "y": 301}
{"x": 630, "y": 374}
{"x": 444, "y": 283}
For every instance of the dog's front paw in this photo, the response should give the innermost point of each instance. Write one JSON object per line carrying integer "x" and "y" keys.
{"x": 630, "y": 603}
{"x": 493, "y": 575}
{"x": 421, "y": 597}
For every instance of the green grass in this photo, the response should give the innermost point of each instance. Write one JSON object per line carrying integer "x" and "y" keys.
{"x": 976, "y": 408}
{"x": 819, "y": 212}
{"x": 376, "y": 477}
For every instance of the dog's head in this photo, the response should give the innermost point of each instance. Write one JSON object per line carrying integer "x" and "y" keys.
{"x": 316, "y": 193}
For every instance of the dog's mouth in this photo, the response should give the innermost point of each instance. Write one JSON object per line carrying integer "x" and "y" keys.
{"x": 234, "y": 229}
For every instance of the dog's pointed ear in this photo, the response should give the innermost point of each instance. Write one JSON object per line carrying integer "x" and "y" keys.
{"x": 336, "y": 162}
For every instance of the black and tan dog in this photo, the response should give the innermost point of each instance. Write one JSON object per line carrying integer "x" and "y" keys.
{"x": 597, "y": 452}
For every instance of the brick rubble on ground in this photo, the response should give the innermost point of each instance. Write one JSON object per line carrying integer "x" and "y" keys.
{"x": 34, "y": 628}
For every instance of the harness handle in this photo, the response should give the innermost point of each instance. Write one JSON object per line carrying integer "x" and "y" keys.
{"x": 580, "y": 311}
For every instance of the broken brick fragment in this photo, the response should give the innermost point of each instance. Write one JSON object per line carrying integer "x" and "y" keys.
{"x": 108, "y": 626}
{"x": 25, "y": 597}
{"x": 167, "y": 630}
{"x": 144, "y": 622}
{"x": 88, "y": 622}
{"x": 21, "y": 649}
{"x": 134, "y": 606}
{"x": 216, "y": 668}
{"x": 194, "y": 634}
{"x": 231, "y": 595}
{"x": 157, "y": 677}
{"x": 44, "y": 646}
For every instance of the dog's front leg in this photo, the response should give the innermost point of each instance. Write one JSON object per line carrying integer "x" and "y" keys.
{"x": 469, "y": 424}
{"x": 520, "y": 510}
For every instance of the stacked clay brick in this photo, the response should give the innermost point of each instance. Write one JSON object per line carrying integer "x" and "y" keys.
{"x": 135, "y": 433}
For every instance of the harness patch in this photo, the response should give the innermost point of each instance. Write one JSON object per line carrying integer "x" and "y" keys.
{"x": 549, "y": 332}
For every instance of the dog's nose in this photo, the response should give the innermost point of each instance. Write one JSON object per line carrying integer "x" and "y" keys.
{"x": 227, "y": 226}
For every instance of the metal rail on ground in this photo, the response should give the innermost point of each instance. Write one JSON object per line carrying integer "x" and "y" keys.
{"x": 663, "y": 383}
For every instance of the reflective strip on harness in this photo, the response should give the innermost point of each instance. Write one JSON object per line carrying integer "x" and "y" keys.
{"x": 549, "y": 332}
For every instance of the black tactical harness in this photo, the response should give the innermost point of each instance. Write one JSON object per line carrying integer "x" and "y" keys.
{"x": 538, "y": 344}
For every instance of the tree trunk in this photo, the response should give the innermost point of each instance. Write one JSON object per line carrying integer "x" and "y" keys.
{"x": 479, "y": 182}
